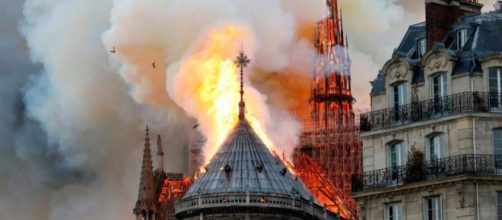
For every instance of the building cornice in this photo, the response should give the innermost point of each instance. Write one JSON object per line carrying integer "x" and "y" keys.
{"x": 425, "y": 185}
{"x": 399, "y": 128}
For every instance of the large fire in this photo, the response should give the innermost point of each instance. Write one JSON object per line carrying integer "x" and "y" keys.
{"x": 215, "y": 80}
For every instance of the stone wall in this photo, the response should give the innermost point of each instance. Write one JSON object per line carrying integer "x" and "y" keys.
{"x": 458, "y": 137}
{"x": 459, "y": 201}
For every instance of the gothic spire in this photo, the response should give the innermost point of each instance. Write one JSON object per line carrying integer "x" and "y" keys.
{"x": 242, "y": 62}
{"x": 146, "y": 194}
{"x": 160, "y": 155}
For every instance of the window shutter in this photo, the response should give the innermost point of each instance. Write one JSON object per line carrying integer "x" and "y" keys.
{"x": 497, "y": 141}
{"x": 442, "y": 150}
{"x": 444, "y": 85}
{"x": 389, "y": 155}
{"x": 440, "y": 205}
{"x": 399, "y": 154}
{"x": 399, "y": 211}
{"x": 428, "y": 149}
{"x": 425, "y": 209}
{"x": 405, "y": 93}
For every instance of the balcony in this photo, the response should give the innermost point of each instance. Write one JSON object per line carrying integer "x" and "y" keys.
{"x": 466, "y": 102}
{"x": 467, "y": 164}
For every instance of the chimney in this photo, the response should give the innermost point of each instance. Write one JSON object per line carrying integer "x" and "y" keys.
{"x": 498, "y": 5}
{"x": 440, "y": 15}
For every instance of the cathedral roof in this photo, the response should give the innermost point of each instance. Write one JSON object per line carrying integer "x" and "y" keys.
{"x": 245, "y": 164}
{"x": 244, "y": 175}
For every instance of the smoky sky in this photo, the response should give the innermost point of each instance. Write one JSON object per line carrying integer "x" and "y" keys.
{"x": 94, "y": 172}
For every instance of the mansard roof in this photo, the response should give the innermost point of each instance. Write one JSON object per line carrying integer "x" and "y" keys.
{"x": 484, "y": 33}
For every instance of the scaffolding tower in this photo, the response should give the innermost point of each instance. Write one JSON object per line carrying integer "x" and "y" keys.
{"x": 331, "y": 137}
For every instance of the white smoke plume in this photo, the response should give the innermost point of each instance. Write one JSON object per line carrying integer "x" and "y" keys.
{"x": 71, "y": 125}
{"x": 153, "y": 38}
{"x": 89, "y": 106}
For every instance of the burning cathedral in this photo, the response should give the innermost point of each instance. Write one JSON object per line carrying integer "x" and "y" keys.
{"x": 244, "y": 180}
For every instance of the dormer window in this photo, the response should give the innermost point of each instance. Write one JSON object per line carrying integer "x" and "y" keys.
{"x": 421, "y": 47}
{"x": 461, "y": 38}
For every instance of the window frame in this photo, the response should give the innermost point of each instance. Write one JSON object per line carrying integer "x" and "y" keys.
{"x": 461, "y": 38}
{"x": 442, "y": 85}
{"x": 402, "y": 88}
{"x": 400, "y": 159}
{"x": 499, "y": 204}
{"x": 495, "y": 96}
{"x": 421, "y": 47}
{"x": 426, "y": 209}
{"x": 495, "y": 138}
{"x": 497, "y": 154}
{"x": 396, "y": 206}
{"x": 431, "y": 142}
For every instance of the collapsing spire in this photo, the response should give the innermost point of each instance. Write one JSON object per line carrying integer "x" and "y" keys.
{"x": 242, "y": 62}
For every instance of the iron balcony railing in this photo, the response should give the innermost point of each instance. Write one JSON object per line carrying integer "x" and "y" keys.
{"x": 466, "y": 102}
{"x": 467, "y": 164}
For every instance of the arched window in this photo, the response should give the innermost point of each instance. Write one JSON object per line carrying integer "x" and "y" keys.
{"x": 435, "y": 147}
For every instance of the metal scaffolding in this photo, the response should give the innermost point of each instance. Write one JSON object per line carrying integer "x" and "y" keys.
{"x": 330, "y": 142}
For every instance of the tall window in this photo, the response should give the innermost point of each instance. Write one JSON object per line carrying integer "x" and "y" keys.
{"x": 497, "y": 149}
{"x": 432, "y": 208}
{"x": 435, "y": 147}
{"x": 439, "y": 85}
{"x": 495, "y": 86}
{"x": 497, "y": 141}
{"x": 439, "y": 88}
{"x": 400, "y": 95}
{"x": 395, "y": 155}
{"x": 393, "y": 211}
{"x": 421, "y": 47}
{"x": 461, "y": 38}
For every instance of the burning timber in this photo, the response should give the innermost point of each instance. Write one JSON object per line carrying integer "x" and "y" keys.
{"x": 330, "y": 147}
{"x": 244, "y": 180}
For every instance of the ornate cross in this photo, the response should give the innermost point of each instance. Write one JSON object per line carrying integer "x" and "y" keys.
{"x": 242, "y": 62}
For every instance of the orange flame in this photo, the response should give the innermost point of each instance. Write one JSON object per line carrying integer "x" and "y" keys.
{"x": 213, "y": 77}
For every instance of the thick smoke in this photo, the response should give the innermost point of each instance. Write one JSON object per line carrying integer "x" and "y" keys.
{"x": 154, "y": 38}
{"x": 71, "y": 124}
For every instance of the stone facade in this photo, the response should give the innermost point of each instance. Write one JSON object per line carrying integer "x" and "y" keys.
{"x": 460, "y": 198}
{"x": 465, "y": 177}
